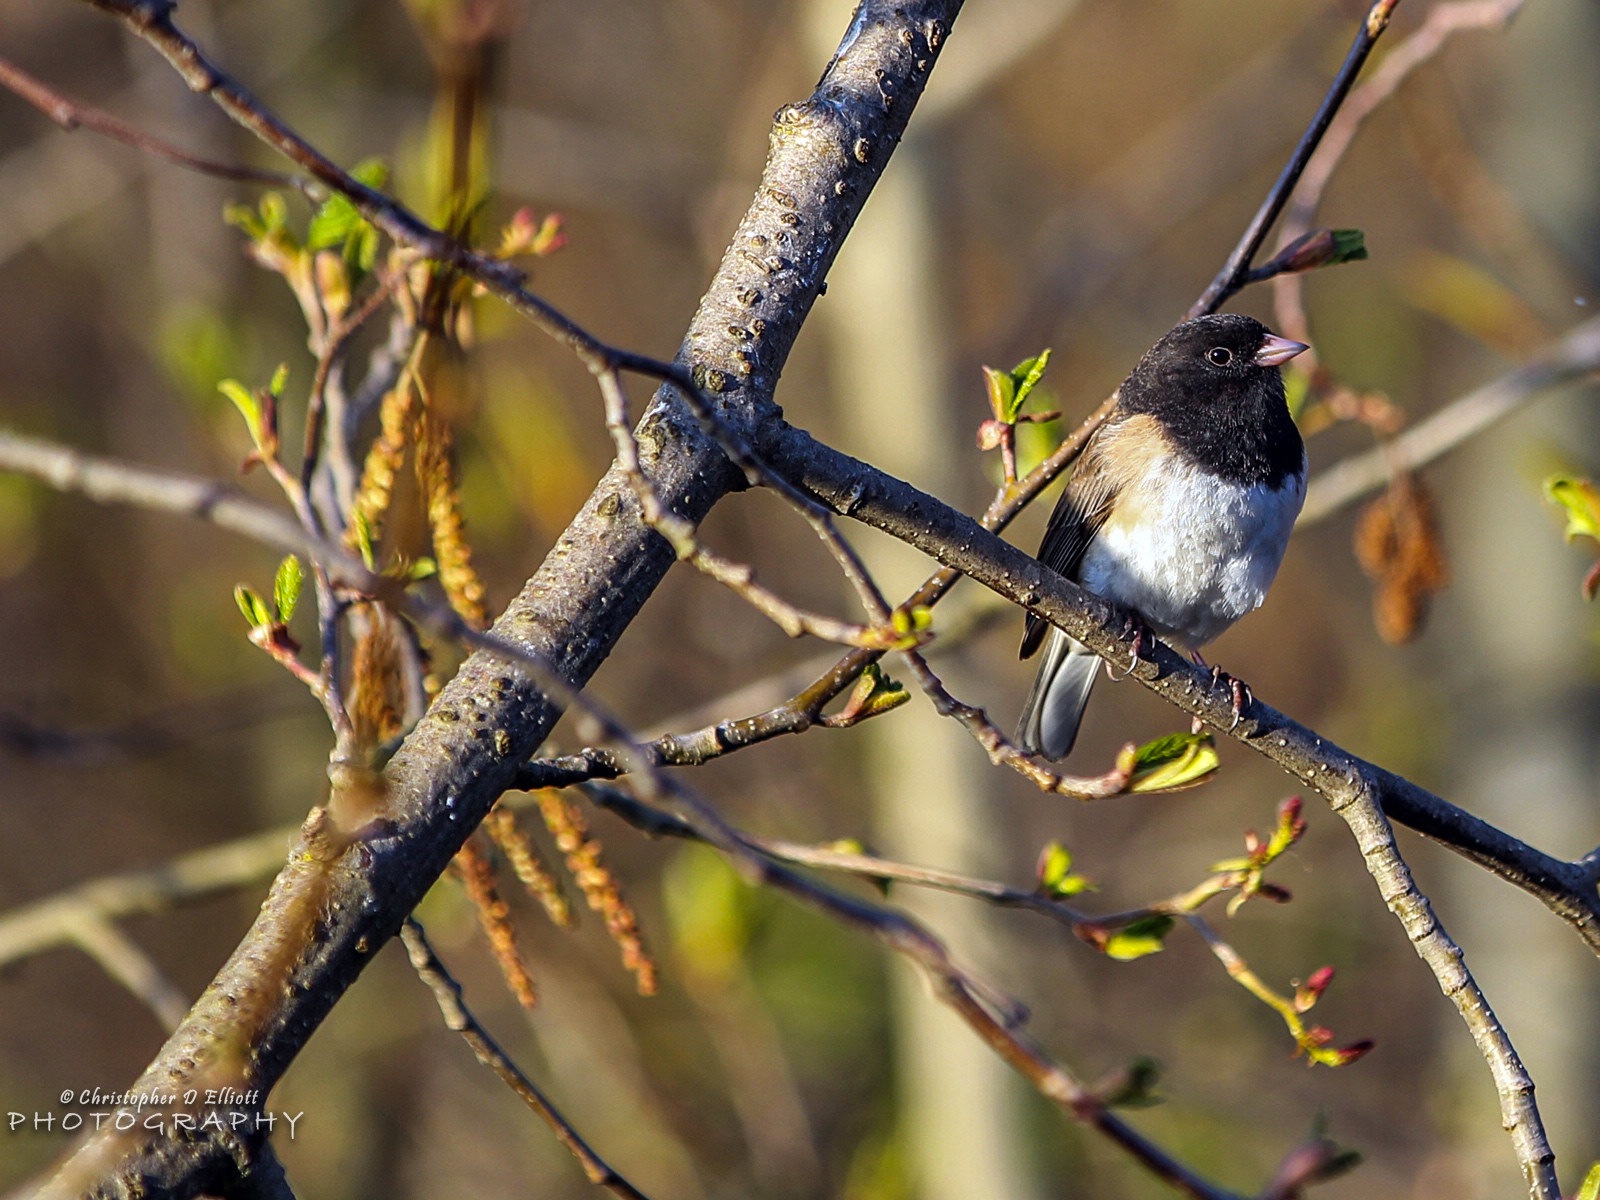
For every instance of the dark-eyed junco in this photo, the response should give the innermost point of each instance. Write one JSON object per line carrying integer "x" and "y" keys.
{"x": 1179, "y": 509}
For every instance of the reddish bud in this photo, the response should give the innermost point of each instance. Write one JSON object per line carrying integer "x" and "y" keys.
{"x": 1095, "y": 935}
{"x": 992, "y": 434}
{"x": 1309, "y": 992}
{"x": 1313, "y": 1161}
{"x": 1290, "y": 818}
{"x": 1348, "y": 1054}
{"x": 1320, "y": 248}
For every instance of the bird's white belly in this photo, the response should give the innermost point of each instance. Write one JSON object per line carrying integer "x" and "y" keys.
{"x": 1191, "y": 553}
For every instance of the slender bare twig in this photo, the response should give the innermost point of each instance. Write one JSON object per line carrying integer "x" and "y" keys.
{"x": 1442, "y": 23}
{"x": 328, "y": 360}
{"x": 686, "y": 543}
{"x": 123, "y": 959}
{"x": 458, "y": 1018}
{"x": 1234, "y": 273}
{"x": 803, "y": 712}
{"x": 1574, "y": 356}
{"x": 156, "y": 732}
{"x": 73, "y": 114}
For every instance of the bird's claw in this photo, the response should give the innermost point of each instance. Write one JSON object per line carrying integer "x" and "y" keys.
{"x": 1239, "y": 692}
{"x": 1132, "y": 627}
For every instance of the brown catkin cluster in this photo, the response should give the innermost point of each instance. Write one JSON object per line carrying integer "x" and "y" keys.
{"x": 599, "y": 886}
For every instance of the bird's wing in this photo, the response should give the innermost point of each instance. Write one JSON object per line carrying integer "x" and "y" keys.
{"x": 1078, "y": 516}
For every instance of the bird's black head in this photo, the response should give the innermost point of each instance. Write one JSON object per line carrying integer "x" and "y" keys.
{"x": 1214, "y": 385}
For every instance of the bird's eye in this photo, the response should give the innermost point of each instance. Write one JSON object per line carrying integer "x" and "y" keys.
{"x": 1220, "y": 356}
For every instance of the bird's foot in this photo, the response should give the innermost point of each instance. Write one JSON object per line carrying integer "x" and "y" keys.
{"x": 1133, "y": 627}
{"x": 1239, "y": 692}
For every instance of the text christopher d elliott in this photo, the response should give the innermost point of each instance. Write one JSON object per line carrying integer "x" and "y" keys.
{"x": 195, "y": 1110}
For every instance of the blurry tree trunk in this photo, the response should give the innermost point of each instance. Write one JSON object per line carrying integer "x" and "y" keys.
{"x": 888, "y": 330}
{"x": 931, "y": 793}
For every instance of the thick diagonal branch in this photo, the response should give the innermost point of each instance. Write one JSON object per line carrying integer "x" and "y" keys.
{"x": 324, "y": 918}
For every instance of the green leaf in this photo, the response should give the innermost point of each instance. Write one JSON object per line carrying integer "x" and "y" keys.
{"x": 1581, "y": 501}
{"x": 1026, "y": 376}
{"x": 268, "y": 220}
{"x": 274, "y": 212}
{"x": 1002, "y": 391}
{"x": 1055, "y": 862}
{"x": 252, "y": 606}
{"x": 1009, "y": 390}
{"x": 246, "y": 401}
{"x": 332, "y": 223}
{"x": 1178, "y": 760}
{"x": 885, "y": 693}
{"x": 338, "y": 222}
{"x": 242, "y": 216}
{"x": 373, "y": 172}
{"x": 361, "y": 248}
{"x": 1139, "y": 938}
{"x": 286, "y": 587}
{"x": 1589, "y": 1189}
{"x": 1349, "y": 245}
{"x": 1318, "y": 248}
{"x": 280, "y": 378}
{"x": 1055, "y": 873}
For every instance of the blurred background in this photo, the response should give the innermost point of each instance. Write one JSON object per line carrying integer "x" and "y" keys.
{"x": 1075, "y": 175}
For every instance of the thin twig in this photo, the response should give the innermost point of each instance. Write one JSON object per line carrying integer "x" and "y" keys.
{"x": 123, "y": 959}
{"x": 73, "y": 114}
{"x": 1002, "y": 751}
{"x": 1438, "y": 27}
{"x": 329, "y": 357}
{"x": 458, "y": 1018}
{"x": 1235, "y": 271}
{"x": 686, "y": 543}
{"x": 1574, "y": 356}
{"x": 216, "y": 870}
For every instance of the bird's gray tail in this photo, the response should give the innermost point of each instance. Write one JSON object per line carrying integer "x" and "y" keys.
{"x": 1054, "y": 708}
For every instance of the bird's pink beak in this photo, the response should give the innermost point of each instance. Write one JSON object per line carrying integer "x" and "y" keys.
{"x": 1275, "y": 350}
